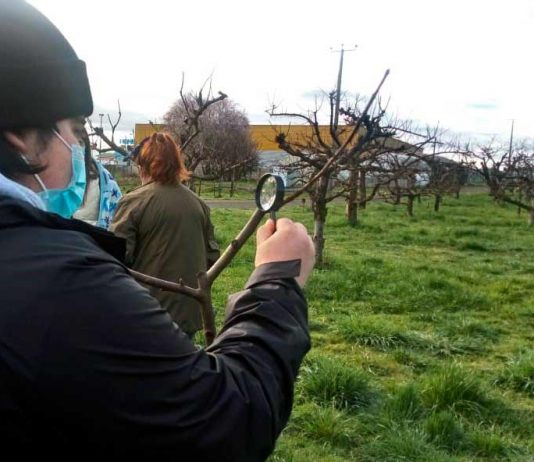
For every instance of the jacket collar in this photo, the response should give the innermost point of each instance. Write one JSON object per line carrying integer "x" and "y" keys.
{"x": 15, "y": 213}
{"x": 13, "y": 189}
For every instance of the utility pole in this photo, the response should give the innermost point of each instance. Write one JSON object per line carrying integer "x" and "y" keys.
{"x": 511, "y": 139}
{"x": 100, "y": 138}
{"x": 339, "y": 76}
{"x": 511, "y": 144}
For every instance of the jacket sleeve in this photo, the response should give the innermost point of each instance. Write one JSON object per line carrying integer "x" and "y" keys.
{"x": 118, "y": 373}
{"x": 125, "y": 225}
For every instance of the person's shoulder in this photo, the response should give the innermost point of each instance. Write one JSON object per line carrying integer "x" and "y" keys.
{"x": 140, "y": 192}
{"x": 198, "y": 201}
{"x": 192, "y": 195}
{"x": 63, "y": 254}
{"x": 69, "y": 243}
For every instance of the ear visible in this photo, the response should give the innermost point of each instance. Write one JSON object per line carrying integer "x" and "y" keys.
{"x": 18, "y": 141}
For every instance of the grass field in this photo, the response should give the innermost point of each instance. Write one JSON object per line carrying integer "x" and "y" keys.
{"x": 423, "y": 334}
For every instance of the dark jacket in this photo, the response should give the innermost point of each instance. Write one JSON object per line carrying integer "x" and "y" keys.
{"x": 170, "y": 236}
{"x": 91, "y": 365}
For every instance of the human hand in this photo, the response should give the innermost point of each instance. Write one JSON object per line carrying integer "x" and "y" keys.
{"x": 285, "y": 241}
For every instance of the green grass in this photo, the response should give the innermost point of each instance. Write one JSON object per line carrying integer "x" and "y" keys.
{"x": 223, "y": 190}
{"x": 518, "y": 374}
{"x": 243, "y": 190}
{"x": 405, "y": 405}
{"x": 489, "y": 446}
{"x": 378, "y": 333}
{"x": 329, "y": 382}
{"x": 422, "y": 332}
{"x": 325, "y": 425}
{"x": 456, "y": 389}
{"x": 444, "y": 431}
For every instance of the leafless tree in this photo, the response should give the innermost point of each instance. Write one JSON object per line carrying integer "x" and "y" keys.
{"x": 109, "y": 142}
{"x": 321, "y": 154}
{"x": 405, "y": 177}
{"x": 223, "y": 147}
{"x": 390, "y": 160}
{"x": 508, "y": 172}
{"x": 447, "y": 176}
{"x": 401, "y": 170}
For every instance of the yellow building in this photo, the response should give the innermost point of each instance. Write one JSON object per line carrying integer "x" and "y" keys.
{"x": 262, "y": 135}
{"x": 144, "y": 130}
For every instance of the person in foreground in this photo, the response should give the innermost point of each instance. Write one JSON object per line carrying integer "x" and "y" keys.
{"x": 90, "y": 364}
{"x": 162, "y": 213}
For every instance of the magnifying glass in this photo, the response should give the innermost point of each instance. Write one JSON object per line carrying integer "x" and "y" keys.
{"x": 270, "y": 194}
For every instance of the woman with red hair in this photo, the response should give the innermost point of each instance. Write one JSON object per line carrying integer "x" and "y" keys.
{"x": 167, "y": 227}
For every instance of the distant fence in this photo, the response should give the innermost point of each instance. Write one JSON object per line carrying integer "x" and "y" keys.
{"x": 121, "y": 170}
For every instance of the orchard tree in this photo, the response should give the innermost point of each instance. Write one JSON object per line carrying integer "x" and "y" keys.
{"x": 319, "y": 155}
{"x": 109, "y": 142}
{"x": 447, "y": 176}
{"x": 507, "y": 171}
{"x": 222, "y": 146}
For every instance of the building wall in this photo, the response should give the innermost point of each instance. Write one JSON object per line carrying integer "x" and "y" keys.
{"x": 144, "y": 130}
{"x": 262, "y": 135}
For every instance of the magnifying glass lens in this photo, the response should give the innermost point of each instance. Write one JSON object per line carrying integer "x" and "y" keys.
{"x": 268, "y": 193}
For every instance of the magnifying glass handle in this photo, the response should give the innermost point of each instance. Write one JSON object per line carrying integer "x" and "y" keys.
{"x": 273, "y": 217}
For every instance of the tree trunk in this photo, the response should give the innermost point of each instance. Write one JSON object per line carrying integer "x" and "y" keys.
{"x": 232, "y": 184}
{"x": 531, "y": 213}
{"x": 318, "y": 236}
{"x": 352, "y": 211}
{"x": 351, "y": 204}
{"x": 363, "y": 190}
{"x": 437, "y": 202}
{"x": 220, "y": 186}
{"x": 410, "y": 205}
{"x": 397, "y": 193}
{"x": 319, "y": 215}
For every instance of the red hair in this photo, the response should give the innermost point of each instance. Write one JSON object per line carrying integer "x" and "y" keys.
{"x": 162, "y": 159}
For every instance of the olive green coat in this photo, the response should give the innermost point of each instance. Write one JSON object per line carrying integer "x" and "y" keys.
{"x": 169, "y": 236}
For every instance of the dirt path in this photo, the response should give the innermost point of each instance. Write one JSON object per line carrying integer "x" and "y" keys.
{"x": 248, "y": 204}
{"x": 236, "y": 204}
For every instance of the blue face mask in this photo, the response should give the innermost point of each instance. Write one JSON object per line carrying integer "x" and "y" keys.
{"x": 66, "y": 201}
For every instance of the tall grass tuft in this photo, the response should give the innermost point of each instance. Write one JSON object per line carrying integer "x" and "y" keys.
{"x": 402, "y": 444}
{"x": 444, "y": 431}
{"x": 327, "y": 382}
{"x": 484, "y": 443}
{"x": 326, "y": 425}
{"x": 519, "y": 374}
{"x": 405, "y": 404}
{"x": 454, "y": 388}
{"x": 378, "y": 333}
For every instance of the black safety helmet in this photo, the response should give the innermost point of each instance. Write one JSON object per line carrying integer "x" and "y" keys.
{"x": 41, "y": 78}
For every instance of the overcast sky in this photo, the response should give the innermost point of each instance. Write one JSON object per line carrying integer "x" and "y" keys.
{"x": 465, "y": 63}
